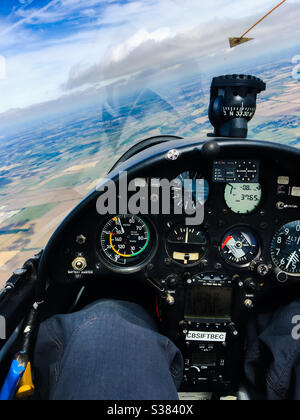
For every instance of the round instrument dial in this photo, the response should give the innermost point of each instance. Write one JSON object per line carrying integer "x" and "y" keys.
{"x": 125, "y": 240}
{"x": 240, "y": 247}
{"x": 187, "y": 245}
{"x": 243, "y": 198}
{"x": 285, "y": 248}
{"x": 190, "y": 190}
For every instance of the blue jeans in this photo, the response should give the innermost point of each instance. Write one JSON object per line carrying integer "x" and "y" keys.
{"x": 111, "y": 350}
{"x": 272, "y": 361}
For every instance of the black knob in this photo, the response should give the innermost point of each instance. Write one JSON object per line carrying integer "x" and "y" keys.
{"x": 172, "y": 282}
{"x": 183, "y": 325}
{"x": 250, "y": 285}
{"x": 233, "y": 330}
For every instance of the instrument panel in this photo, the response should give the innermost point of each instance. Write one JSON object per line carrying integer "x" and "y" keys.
{"x": 207, "y": 277}
{"x": 238, "y": 205}
{"x": 250, "y": 227}
{"x": 126, "y": 241}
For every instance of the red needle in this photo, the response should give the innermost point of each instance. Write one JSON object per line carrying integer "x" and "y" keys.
{"x": 226, "y": 241}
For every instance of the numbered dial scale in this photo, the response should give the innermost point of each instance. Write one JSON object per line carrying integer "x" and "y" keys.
{"x": 240, "y": 247}
{"x": 285, "y": 249}
{"x": 125, "y": 241}
{"x": 190, "y": 190}
{"x": 187, "y": 245}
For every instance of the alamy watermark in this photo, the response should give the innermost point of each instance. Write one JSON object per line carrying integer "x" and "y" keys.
{"x": 296, "y": 329}
{"x": 296, "y": 69}
{"x": 153, "y": 196}
{"x": 2, "y": 328}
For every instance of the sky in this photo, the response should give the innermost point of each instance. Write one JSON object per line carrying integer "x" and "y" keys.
{"x": 51, "y": 50}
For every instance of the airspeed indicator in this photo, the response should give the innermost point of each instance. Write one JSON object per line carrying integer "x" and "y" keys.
{"x": 125, "y": 240}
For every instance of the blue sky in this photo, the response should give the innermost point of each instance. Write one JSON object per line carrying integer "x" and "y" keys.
{"x": 53, "y": 48}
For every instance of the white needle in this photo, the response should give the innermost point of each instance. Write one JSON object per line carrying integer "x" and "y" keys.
{"x": 120, "y": 224}
{"x": 291, "y": 258}
{"x": 187, "y": 236}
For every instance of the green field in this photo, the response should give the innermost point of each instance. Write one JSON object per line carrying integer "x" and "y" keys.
{"x": 31, "y": 213}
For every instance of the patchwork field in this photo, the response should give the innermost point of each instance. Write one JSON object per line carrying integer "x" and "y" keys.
{"x": 46, "y": 169}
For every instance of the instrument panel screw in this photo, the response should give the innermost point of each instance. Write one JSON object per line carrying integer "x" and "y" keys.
{"x": 280, "y": 205}
{"x": 173, "y": 154}
{"x": 81, "y": 239}
{"x": 262, "y": 270}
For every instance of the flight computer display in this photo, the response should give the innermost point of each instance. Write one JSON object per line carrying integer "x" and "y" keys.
{"x": 236, "y": 171}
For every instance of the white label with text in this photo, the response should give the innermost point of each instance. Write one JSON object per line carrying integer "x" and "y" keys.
{"x": 219, "y": 337}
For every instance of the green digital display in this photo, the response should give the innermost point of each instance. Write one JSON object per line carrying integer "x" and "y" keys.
{"x": 243, "y": 198}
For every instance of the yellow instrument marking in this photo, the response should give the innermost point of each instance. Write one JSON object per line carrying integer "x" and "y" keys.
{"x": 180, "y": 256}
{"x": 114, "y": 249}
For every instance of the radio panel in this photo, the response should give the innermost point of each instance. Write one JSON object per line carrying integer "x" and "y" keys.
{"x": 206, "y": 357}
{"x": 207, "y": 335}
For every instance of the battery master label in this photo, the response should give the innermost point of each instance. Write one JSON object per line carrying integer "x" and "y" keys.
{"x": 219, "y": 337}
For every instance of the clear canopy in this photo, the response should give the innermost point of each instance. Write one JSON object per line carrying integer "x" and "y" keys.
{"x": 82, "y": 81}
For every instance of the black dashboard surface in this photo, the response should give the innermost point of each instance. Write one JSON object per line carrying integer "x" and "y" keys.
{"x": 275, "y": 208}
{"x": 203, "y": 281}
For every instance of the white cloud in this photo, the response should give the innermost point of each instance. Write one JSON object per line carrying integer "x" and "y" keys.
{"x": 206, "y": 44}
{"x": 26, "y": 2}
{"x": 58, "y": 10}
{"x": 113, "y": 40}
{"x": 121, "y": 51}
